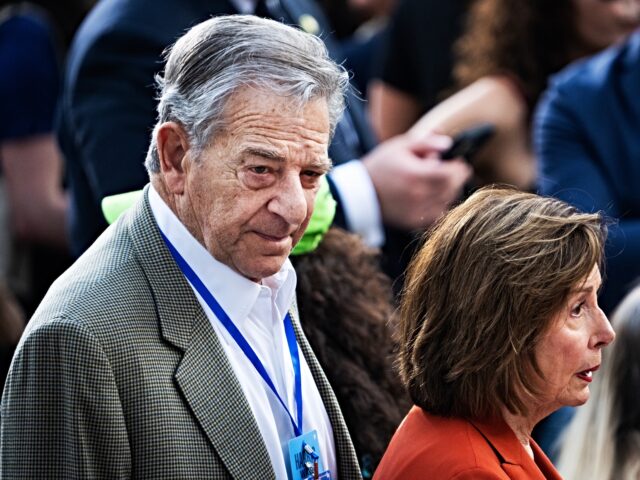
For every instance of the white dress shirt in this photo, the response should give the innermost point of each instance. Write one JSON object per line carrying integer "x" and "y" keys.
{"x": 258, "y": 311}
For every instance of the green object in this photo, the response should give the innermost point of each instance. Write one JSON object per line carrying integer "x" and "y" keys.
{"x": 115, "y": 205}
{"x": 320, "y": 222}
{"x": 323, "y": 213}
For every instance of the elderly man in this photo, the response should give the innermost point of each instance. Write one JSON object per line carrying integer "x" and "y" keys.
{"x": 172, "y": 348}
{"x": 107, "y": 117}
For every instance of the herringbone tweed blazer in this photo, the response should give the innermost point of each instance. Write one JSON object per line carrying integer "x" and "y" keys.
{"x": 120, "y": 375}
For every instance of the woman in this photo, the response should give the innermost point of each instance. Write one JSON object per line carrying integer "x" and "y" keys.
{"x": 603, "y": 441}
{"x": 504, "y": 58}
{"x": 499, "y": 326}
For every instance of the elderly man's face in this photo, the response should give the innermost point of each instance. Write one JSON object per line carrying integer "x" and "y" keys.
{"x": 253, "y": 189}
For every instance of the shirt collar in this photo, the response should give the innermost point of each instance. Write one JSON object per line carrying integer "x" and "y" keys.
{"x": 236, "y": 294}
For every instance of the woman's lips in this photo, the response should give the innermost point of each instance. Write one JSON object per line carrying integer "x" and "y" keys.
{"x": 587, "y": 375}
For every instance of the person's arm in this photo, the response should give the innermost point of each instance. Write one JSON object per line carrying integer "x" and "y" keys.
{"x": 392, "y": 111}
{"x": 571, "y": 171}
{"x": 61, "y": 414}
{"x": 402, "y": 183}
{"x": 507, "y": 157}
{"x": 414, "y": 187}
{"x": 30, "y": 159}
{"x": 32, "y": 169}
{"x": 414, "y": 68}
{"x": 393, "y": 93}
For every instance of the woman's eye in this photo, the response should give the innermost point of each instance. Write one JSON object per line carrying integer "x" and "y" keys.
{"x": 577, "y": 309}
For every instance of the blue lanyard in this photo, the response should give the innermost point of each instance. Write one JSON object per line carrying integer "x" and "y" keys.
{"x": 242, "y": 342}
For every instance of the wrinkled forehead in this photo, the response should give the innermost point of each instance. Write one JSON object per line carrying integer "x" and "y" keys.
{"x": 270, "y": 99}
{"x": 271, "y": 114}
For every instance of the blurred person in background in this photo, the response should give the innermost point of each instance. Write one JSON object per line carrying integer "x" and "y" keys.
{"x": 587, "y": 138}
{"x": 361, "y": 44}
{"x": 506, "y": 53}
{"x": 413, "y": 71}
{"x": 499, "y": 326}
{"x": 33, "y": 39}
{"x": 603, "y": 440}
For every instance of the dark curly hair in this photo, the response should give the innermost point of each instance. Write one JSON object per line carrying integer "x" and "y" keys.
{"x": 527, "y": 40}
{"x": 345, "y": 305}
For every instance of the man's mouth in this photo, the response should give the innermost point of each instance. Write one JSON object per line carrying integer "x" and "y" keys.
{"x": 279, "y": 238}
{"x": 587, "y": 375}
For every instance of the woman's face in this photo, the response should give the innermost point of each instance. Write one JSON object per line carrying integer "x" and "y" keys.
{"x": 601, "y": 23}
{"x": 570, "y": 351}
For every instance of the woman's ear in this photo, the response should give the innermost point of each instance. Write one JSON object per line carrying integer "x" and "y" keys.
{"x": 173, "y": 145}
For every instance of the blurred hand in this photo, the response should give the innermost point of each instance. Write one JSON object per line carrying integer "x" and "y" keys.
{"x": 414, "y": 186}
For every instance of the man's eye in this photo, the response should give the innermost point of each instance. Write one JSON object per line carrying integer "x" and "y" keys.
{"x": 311, "y": 173}
{"x": 260, "y": 170}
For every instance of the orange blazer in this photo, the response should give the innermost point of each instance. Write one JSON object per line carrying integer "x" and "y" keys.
{"x": 427, "y": 446}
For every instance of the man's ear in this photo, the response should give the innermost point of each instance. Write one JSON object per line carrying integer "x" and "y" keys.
{"x": 173, "y": 145}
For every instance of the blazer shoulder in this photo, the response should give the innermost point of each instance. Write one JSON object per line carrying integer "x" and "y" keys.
{"x": 422, "y": 448}
{"x": 589, "y": 75}
{"x": 103, "y": 290}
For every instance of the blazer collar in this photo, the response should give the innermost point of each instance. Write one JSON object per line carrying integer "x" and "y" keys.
{"x": 204, "y": 375}
{"x": 513, "y": 458}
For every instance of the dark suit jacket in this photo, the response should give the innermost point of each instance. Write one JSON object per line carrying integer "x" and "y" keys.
{"x": 430, "y": 447}
{"x": 587, "y": 135}
{"x": 120, "y": 375}
{"x": 109, "y": 107}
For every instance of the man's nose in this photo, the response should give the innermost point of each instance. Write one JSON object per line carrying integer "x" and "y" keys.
{"x": 290, "y": 202}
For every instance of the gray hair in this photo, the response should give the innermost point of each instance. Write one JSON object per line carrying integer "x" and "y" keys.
{"x": 217, "y": 57}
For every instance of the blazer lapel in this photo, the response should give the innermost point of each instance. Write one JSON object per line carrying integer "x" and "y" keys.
{"x": 212, "y": 391}
{"x": 348, "y": 468}
{"x": 514, "y": 460}
{"x": 204, "y": 376}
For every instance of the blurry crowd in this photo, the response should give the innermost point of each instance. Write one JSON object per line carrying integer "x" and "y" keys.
{"x": 557, "y": 81}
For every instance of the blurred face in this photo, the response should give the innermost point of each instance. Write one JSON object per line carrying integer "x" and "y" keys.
{"x": 251, "y": 193}
{"x": 570, "y": 352}
{"x": 601, "y": 23}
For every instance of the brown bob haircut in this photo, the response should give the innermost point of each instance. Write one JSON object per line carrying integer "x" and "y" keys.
{"x": 486, "y": 285}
